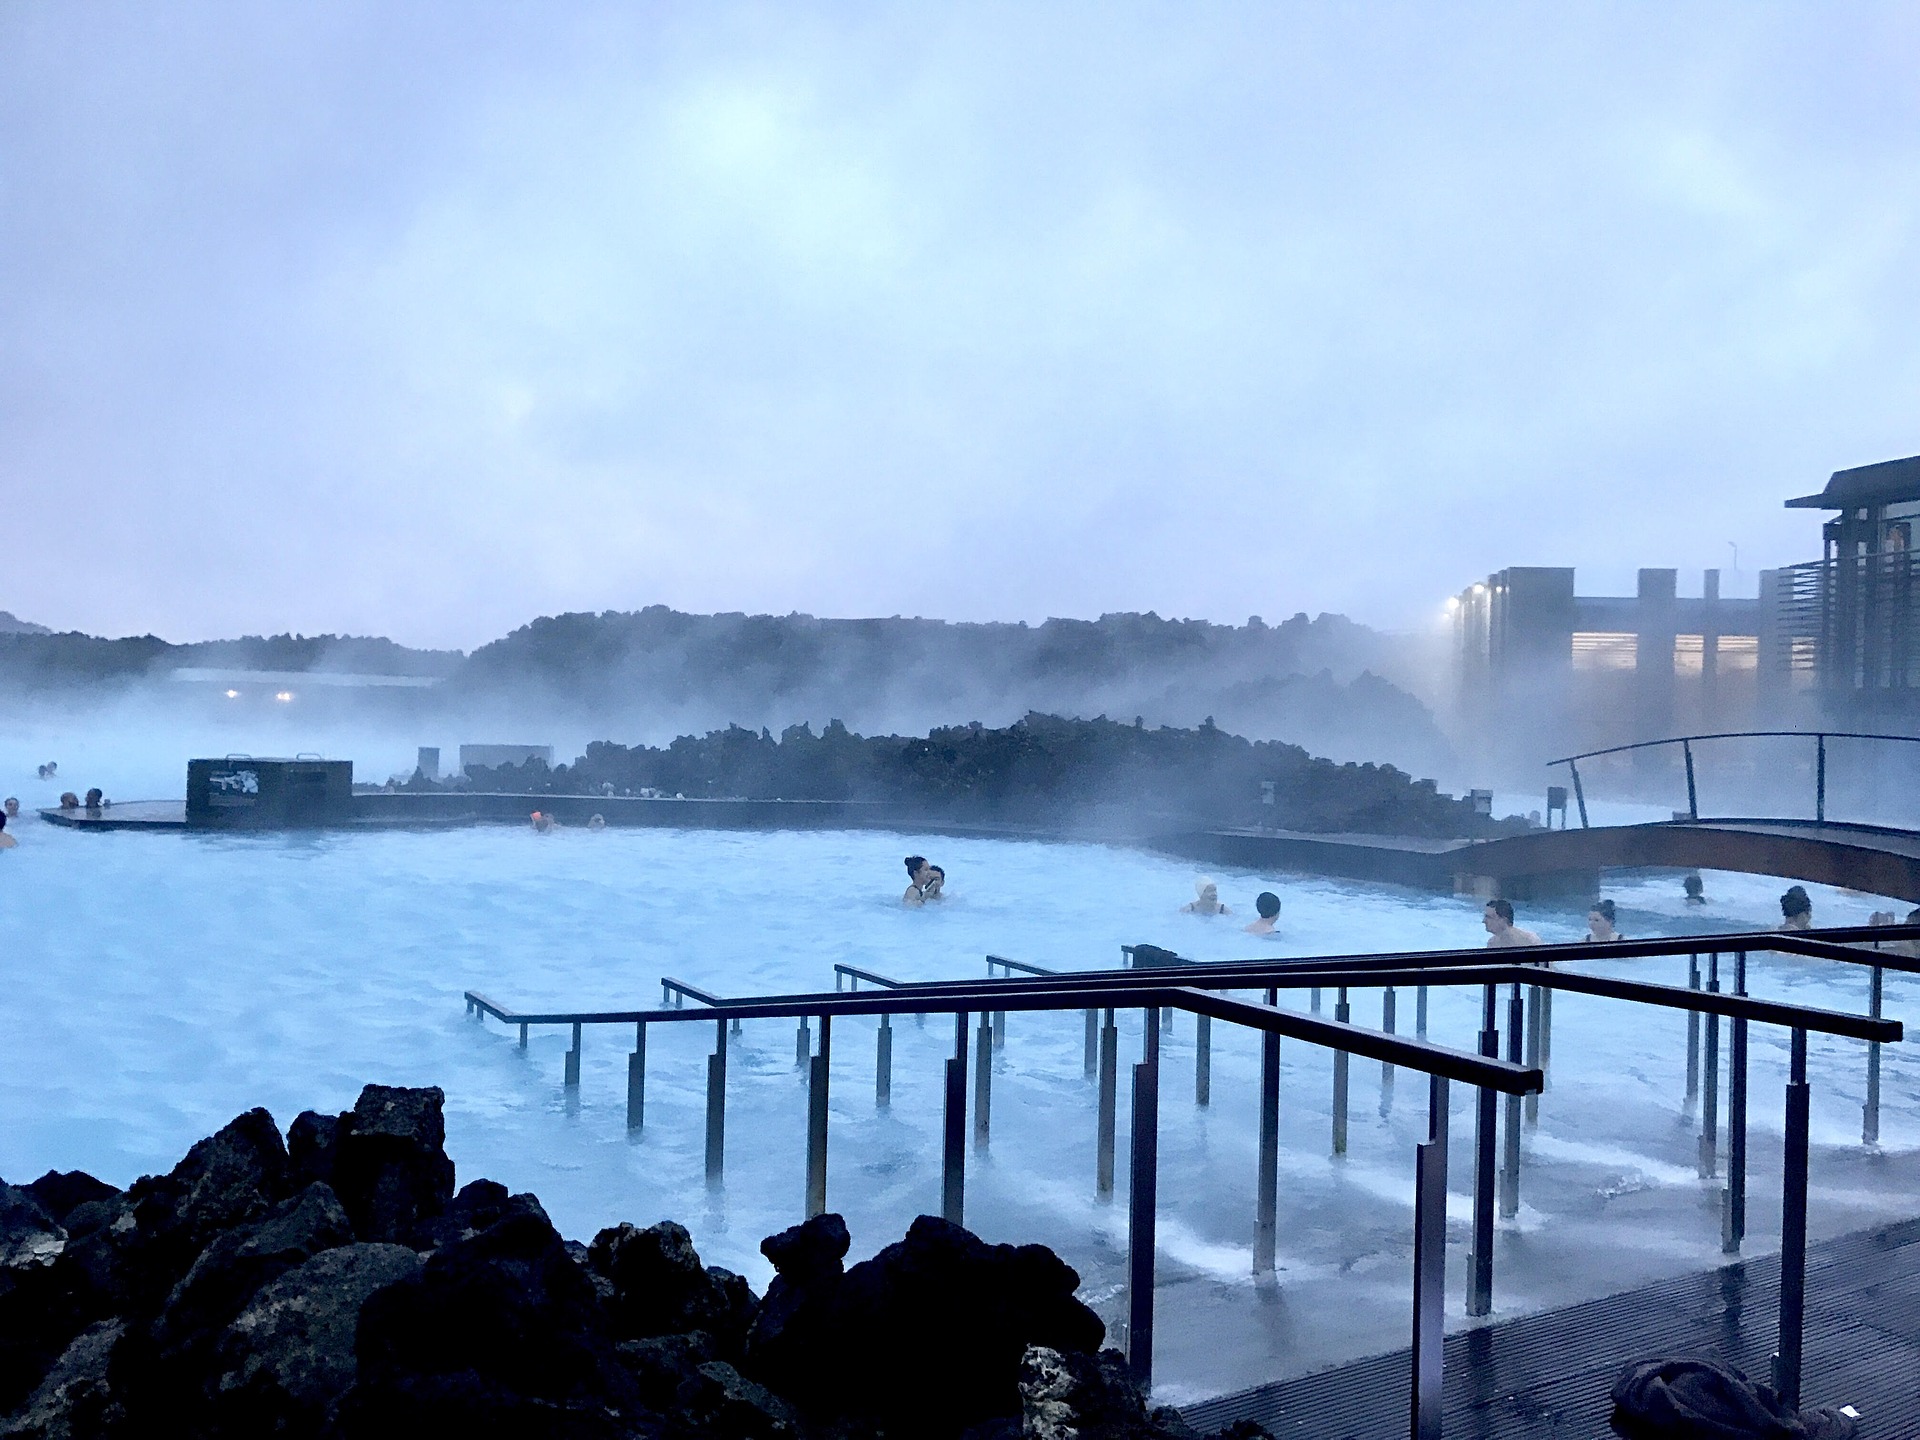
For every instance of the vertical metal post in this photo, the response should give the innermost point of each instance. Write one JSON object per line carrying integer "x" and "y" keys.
{"x": 523, "y": 1034}
{"x": 1710, "y": 1082}
{"x": 1793, "y": 1228}
{"x": 1693, "y": 1037}
{"x": 1693, "y": 796}
{"x": 953, "y": 1169}
{"x": 1510, "y": 1173}
{"x": 1000, "y": 1026}
{"x": 1203, "y": 1060}
{"x": 1485, "y": 1138}
{"x": 1109, "y": 1087}
{"x": 1533, "y": 1049}
{"x": 1733, "y": 1221}
{"x": 883, "y": 1065}
{"x": 1142, "y": 1200}
{"x": 817, "y": 1121}
{"x": 1870, "y": 1113}
{"x": 1267, "y": 1181}
{"x": 1340, "y": 1013}
{"x": 717, "y": 1105}
{"x": 1313, "y": 1000}
{"x": 1386, "y": 1066}
{"x": 637, "y": 1078}
{"x": 802, "y": 1045}
{"x": 1430, "y": 1266}
{"x": 1546, "y": 1034}
{"x": 1820, "y": 783}
{"x": 573, "y": 1060}
{"x": 983, "y": 1082}
{"x": 1090, "y": 1065}
{"x": 1579, "y": 795}
{"x": 1420, "y": 1013}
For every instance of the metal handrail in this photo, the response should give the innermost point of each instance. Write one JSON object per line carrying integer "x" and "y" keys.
{"x": 668, "y": 986}
{"x": 855, "y": 973}
{"x": 1020, "y": 965}
{"x": 1685, "y": 742}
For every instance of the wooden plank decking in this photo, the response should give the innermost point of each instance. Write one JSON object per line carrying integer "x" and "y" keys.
{"x": 1549, "y": 1374}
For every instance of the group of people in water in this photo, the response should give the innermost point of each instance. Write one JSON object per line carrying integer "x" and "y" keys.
{"x": 10, "y": 809}
{"x": 926, "y": 883}
{"x": 1206, "y": 901}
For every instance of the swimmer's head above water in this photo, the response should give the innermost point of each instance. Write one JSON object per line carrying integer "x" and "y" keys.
{"x": 12, "y": 806}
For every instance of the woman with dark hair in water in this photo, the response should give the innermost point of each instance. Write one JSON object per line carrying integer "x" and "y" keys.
{"x": 1796, "y": 909}
{"x": 918, "y": 874}
{"x": 1696, "y": 890}
{"x": 7, "y": 842}
{"x": 1600, "y": 921}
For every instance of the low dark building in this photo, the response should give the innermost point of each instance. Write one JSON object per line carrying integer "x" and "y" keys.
{"x": 240, "y": 791}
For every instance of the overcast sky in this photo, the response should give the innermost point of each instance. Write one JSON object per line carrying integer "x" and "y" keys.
{"x": 426, "y": 319}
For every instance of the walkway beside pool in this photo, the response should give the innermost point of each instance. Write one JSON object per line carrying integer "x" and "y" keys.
{"x": 1549, "y": 1374}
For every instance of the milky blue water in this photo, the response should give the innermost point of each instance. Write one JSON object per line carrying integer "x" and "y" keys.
{"x": 157, "y": 985}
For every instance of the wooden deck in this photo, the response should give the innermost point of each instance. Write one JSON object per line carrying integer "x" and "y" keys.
{"x": 1549, "y": 1374}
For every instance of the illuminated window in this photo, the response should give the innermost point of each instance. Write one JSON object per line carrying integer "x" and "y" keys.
{"x": 1739, "y": 654}
{"x": 1689, "y": 655}
{"x": 1605, "y": 650}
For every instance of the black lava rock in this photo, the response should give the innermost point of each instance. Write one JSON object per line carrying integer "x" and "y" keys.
{"x": 661, "y": 1288}
{"x": 390, "y": 1168}
{"x": 60, "y": 1191}
{"x": 927, "y": 1335}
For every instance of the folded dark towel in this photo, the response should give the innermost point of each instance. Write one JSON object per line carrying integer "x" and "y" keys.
{"x": 1698, "y": 1400}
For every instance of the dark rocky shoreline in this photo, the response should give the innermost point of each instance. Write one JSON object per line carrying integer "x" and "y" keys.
{"x": 334, "y": 1284}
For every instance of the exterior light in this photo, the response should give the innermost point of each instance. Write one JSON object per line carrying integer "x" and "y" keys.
{"x": 284, "y": 695}
{"x": 233, "y": 694}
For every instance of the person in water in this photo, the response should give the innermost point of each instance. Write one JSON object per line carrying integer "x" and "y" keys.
{"x": 1796, "y": 909}
{"x": 12, "y": 807}
{"x": 1696, "y": 890}
{"x": 7, "y": 842}
{"x": 95, "y": 799}
{"x": 596, "y": 822}
{"x": 542, "y": 822}
{"x": 1502, "y": 933}
{"x": 1206, "y": 900}
{"x": 919, "y": 872}
{"x": 936, "y": 886}
{"x": 69, "y": 800}
{"x": 1268, "y": 904}
{"x": 1600, "y": 921}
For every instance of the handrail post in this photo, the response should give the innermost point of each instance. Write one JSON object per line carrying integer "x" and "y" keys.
{"x": 1108, "y": 1101}
{"x": 1341, "y": 1013}
{"x": 1693, "y": 1039}
{"x": 1485, "y": 1137}
{"x": 1430, "y": 1265}
{"x": 1142, "y": 1200}
{"x": 523, "y": 1034}
{"x": 1870, "y": 1112}
{"x": 1579, "y": 795}
{"x": 802, "y": 1045}
{"x": 1000, "y": 1025}
{"x": 953, "y": 1168}
{"x": 1203, "y": 1060}
{"x": 1533, "y": 1051}
{"x": 573, "y": 1060}
{"x": 1267, "y": 1179}
{"x": 637, "y": 1078}
{"x": 1420, "y": 1013}
{"x": 1710, "y": 1081}
{"x": 1090, "y": 1064}
{"x": 1510, "y": 1173}
{"x": 717, "y": 1105}
{"x": 883, "y": 1065}
{"x": 1693, "y": 797}
{"x": 1734, "y": 1219}
{"x": 1386, "y": 1066}
{"x": 983, "y": 1082}
{"x": 1820, "y": 783}
{"x": 817, "y": 1121}
{"x": 1793, "y": 1228}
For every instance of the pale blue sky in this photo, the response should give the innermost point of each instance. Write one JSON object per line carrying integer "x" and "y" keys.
{"x": 425, "y": 319}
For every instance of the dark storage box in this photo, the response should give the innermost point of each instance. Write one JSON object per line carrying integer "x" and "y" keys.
{"x": 241, "y": 791}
